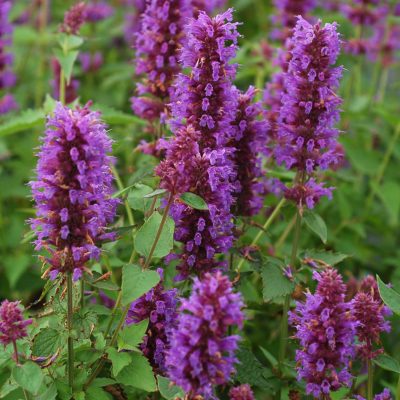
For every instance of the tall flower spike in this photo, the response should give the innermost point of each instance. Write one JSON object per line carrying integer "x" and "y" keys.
{"x": 157, "y": 45}
{"x": 325, "y": 330}
{"x": 202, "y": 351}
{"x": 307, "y": 138}
{"x": 159, "y": 306}
{"x": 12, "y": 322}
{"x": 250, "y": 143}
{"x": 7, "y": 78}
{"x": 74, "y": 18}
{"x": 73, "y": 190}
{"x": 242, "y": 392}
{"x": 205, "y": 102}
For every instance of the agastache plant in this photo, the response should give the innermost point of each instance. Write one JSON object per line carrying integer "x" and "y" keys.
{"x": 202, "y": 349}
{"x": 205, "y": 103}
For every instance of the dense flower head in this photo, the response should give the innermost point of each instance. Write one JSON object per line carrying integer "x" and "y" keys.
{"x": 159, "y": 306}
{"x": 73, "y": 190}
{"x": 307, "y": 138}
{"x": 242, "y": 392}
{"x": 12, "y": 322}
{"x": 385, "y": 395}
{"x": 157, "y": 45}
{"x": 325, "y": 330}
{"x": 204, "y": 107}
{"x": 250, "y": 141}
{"x": 98, "y": 10}
{"x": 74, "y": 18}
{"x": 202, "y": 350}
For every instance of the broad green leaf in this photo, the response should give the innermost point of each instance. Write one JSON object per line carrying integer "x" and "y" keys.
{"x": 100, "y": 382}
{"x": 168, "y": 390}
{"x": 24, "y": 121}
{"x": 138, "y": 374}
{"x": 316, "y": 224}
{"x": 275, "y": 283}
{"x": 29, "y": 376}
{"x": 194, "y": 201}
{"x": 97, "y": 393}
{"x": 119, "y": 360}
{"x": 49, "y": 394}
{"x": 70, "y": 42}
{"x": 67, "y": 62}
{"x": 136, "y": 197}
{"x": 389, "y": 296}
{"x": 326, "y": 257}
{"x": 136, "y": 282}
{"x": 146, "y": 236}
{"x": 46, "y": 342}
{"x": 386, "y": 362}
{"x": 389, "y": 193}
{"x": 95, "y": 281}
{"x": 131, "y": 336}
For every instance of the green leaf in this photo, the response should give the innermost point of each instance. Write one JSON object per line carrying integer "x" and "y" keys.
{"x": 46, "y": 342}
{"x": 138, "y": 374}
{"x": 154, "y": 193}
{"x": 389, "y": 193}
{"x": 112, "y": 116}
{"x": 326, "y": 257}
{"x": 97, "y": 393}
{"x": 137, "y": 197}
{"x": 168, "y": 390}
{"x": 146, "y": 235}
{"x": 49, "y": 394}
{"x": 24, "y": 121}
{"x": 100, "y": 382}
{"x": 100, "y": 284}
{"x": 389, "y": 296}
{"x": 69, "y": 42}
{"x": 272, "y": 360}
{"x": 316, "y": 224}
{"x": 131, "y": 336}
{"x": 364, "y": 161}
{"x": 194, "y": 201}
{"x": 386, "y": 362}
{"x": 136, "y": 282}
{"x": 119, "y": 360}
{"x": 67, "y": 62}
{"x": 29, "y": 376}
{"x": 275, "y": 283}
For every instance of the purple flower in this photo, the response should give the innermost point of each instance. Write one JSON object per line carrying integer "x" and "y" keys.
{"x": 12, "y": 322}
{"x": 242, "y": 392}
{"x": 74, "y": 18}
{"x": 385, "y": 395}
{"x": 326, "y": 331}
{"x": 7, "y": 104}
{"x": 91, "y": 62}
{"x": 250, "y": 143}
{"x": 157, "y": 44}
{"x": 134, "y": 10}
{"x": 306, "y": 137}
{"x": 159, "y": 306}
{"x": 202, "y": 350}
{"x": 73, "y": 190}
{"x": 206, "y": 103}
{"x": 98, "y": 10}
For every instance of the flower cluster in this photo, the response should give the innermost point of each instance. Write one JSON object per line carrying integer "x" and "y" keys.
{"x": 202, "y": 350}
{"x": 97, "y": 11}
{"x": 7, "y": 78}
{"x": 325, "y": 329}
{"x": 159, "y": 306}
{"x": 206, "y": 102}
{"x": 74, "y": 18}
{"x": 250, "y": 143}
{"x": 157, "y": 45}
{"x": 385, "y": 395}
{"x": 91, "y": 62}
{"x": 73, "y": 190}
{"x": 242, "y": 392}
{"x": 307, "y": 138}
{"x": 12, "y": 322}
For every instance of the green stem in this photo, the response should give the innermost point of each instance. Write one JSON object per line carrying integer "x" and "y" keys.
{"x": 69, "y": 328}
{"x": 120, "y": 186}
{"x": 15, "y": 352}
{"x": 382, "y": 85}
{"x": 113, "y": 314}
{"x": 82, "y": 294}
{"x": 398, "y": 390}
{"x": 370, "y": 390}
{"x": 62, "y": 87}
{"x": 266, "y": 225}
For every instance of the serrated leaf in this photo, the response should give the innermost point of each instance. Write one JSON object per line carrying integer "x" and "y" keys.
{"x": 137, "y": 197}
{"x": 29, "y": 376}
{"x": 136, "y": 282}
{"x": 46, "y": 342}
{"x": 275, "y": 283}
{"x": 168, "y": 390}
{"x": 138, "y": 374}
{"x": 386, "y": 362}
{"x": 132, "y": 335}
{"x": 326, "y": 257}
{"x": 389, "y": 296}
{"x": 316, "y": 224}
{"x": 194, "y": 201}
{"x": 146, "y": 236}
{"x": 24, "y": 121}
{"x": 118, "y": 359}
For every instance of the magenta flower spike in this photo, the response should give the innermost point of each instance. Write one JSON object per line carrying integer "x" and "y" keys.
{"x": 242, "y": 392}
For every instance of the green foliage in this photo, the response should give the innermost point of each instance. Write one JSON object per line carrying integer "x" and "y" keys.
{"x": 194, "y": 201}
{"x": 389, "y": 296}
{"x": 131, "y": 336}
{"x": 316, "y": 224}
{"x": 29, "y": 376}
{"x": 168, "y": 390}
{"x": 47, "y": 342}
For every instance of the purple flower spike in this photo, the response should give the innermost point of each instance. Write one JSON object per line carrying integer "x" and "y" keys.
{"x": 97, "y": 11}
{"x": 250, "y": 143}
{"x": 326, "y": 331}
{"x": 157, "y": 45}
{"x": 159, "y": 306}
{"x": 385, "y": 395}
{"x": 204, "y": 109}
{"x": 73, "y": 190}
{"x": 74, "y": 18}
{"x": 202, "y": 350}
{"x": 242, "y": 392}
{"x": 12, "y": 323}
{"x": 306, "y": 137}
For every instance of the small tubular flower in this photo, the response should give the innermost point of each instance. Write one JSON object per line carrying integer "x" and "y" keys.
{"x": 202, "y": 351}
{"x": 73, "y": 190}
{"x": 242, "y": 392}
{"x": 325, "y": 329}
